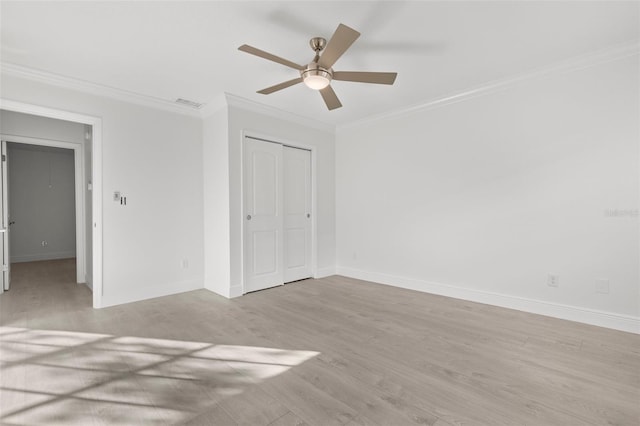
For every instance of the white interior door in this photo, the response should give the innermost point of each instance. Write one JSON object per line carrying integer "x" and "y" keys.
{"x": 297, "y": 214}
{"x": 263, "y": 215}
{"x": 4, "y": 225}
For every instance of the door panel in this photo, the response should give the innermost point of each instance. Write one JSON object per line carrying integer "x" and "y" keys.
{"x": 265, "y": 181}
{"x": 295, "y": 238}
{"x": 265, "y": 244}
{"x": 297, "y": 213}
{"x": 262, "y": 174}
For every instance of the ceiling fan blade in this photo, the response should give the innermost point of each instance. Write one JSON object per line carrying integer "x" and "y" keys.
{"x": 266, "y": 55}
{"x": 280, "y": 86}
{"x": 339, "y": 43}
{"x": 366, "y": 77}
{"x": 330, "y": 98}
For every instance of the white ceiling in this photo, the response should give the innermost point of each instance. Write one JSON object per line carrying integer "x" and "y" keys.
{"x": 189, "y": 49}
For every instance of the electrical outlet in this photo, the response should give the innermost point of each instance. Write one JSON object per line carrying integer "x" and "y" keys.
{"x": 44, "y": 243}
{"x": 553, "y": 280}
{"x": 185, "y": 263}
{"x": 602, "y": 286}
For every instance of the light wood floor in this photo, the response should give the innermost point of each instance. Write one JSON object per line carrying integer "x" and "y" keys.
{"x": 334, "y": 351}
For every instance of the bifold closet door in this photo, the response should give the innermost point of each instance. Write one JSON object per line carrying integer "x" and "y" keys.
{"x": 263, "y": 221}
{"x": 297, "y": 214}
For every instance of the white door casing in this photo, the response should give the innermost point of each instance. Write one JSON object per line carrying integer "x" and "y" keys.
{"x": 4, "y": 226}
{"x": 263, "y": 221}
{"x": 297, "y": 214}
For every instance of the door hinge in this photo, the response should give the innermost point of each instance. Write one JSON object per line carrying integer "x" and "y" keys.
{"x": 4, "y": 157}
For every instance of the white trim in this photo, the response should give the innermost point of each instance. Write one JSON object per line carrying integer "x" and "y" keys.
{"x": 314, "y": 182}
{"x": 614, "y": 321}
{"x": 614, "y": 53}
{"x": 324, "y": 272}
{"x": 136, "y": 294}
{"x": 95, "y": 89}
{"x": 248, "y": 105}
{"x": 96, "y": 161}
{"x": 45, "y": 256}
{"x": 79, "y": 179}
{"x": 235, "y": 291}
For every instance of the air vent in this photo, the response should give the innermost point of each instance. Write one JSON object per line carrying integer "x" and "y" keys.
{"x": 187, "y": 102}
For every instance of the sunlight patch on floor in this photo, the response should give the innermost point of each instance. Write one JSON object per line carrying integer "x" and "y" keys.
{"x": 51, "y": 376}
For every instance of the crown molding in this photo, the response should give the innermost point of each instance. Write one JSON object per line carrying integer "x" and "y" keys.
{"x": 221, "y": 101}
{"x": 588, "y": 60}
{"x": 224, "y": 100}
{"x": 95, "y": 89}
{"x": 246, "y": 104}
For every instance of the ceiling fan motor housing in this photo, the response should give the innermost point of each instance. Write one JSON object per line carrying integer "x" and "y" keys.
{"x": 317, "y": 43}
{"x": 313, "y": 69}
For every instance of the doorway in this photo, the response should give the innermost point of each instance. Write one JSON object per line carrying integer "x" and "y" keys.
{"x": 277, "y": 201}
{"x": 43, "y": 208}
{"x": 89, "y": 163}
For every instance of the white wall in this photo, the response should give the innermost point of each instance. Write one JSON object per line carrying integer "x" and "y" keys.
{"x": 41, "y": 185}
{"x": 153, "y": 157}
{"x": 485, "y": 197}
{"x": 18, "y": 124}
{"x": 323, "y": 141}
{"x": 217, "y": 266}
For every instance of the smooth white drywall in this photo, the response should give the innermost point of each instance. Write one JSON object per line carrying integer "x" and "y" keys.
{"x": 493, "y": 193}
{"x": 323, "y": 141}
{"x": 19, "y": 124}
{"x": 215, "y": 155}
{"x": 42, "y": 210}
{"x": 154, "y": 158}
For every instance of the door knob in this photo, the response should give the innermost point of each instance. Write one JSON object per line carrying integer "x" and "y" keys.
{"x": 248, "y": 217}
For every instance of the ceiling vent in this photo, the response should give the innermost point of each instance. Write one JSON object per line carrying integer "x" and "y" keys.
{"x": 187, "y": 102}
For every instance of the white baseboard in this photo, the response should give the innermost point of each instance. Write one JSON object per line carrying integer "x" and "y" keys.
{"x": 620, "y": 322}
{"x": 42, "y": 256}
{"x": 235, "y": 291}
{"x": 137, "y": 294}
{"x": 325, "y": 272}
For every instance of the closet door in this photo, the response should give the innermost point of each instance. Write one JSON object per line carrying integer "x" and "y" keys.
{"x": 263, "y": 219}
{"x": 297, "y": 214}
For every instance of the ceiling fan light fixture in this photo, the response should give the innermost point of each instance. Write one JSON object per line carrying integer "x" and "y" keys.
{"x": 316, "y": 78}
{"x": 319, "y": 73}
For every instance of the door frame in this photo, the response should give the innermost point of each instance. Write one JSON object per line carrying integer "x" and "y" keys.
{"x": 314, "y": 228}
{"x": 79, "y": 179}
{"x": 96, "y": 179}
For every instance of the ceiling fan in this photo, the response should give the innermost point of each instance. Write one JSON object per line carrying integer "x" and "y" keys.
{"x": 318, "y": 73}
